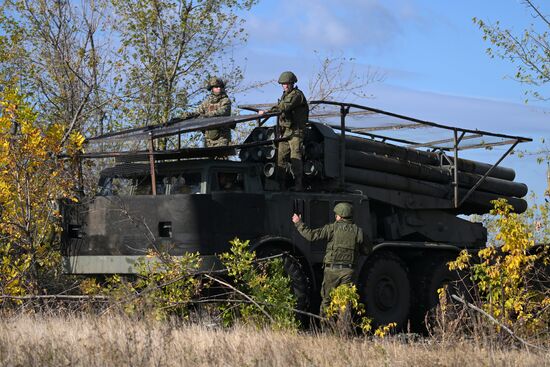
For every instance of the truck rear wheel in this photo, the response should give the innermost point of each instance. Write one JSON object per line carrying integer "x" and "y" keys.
{"x": 456, "y": 282}
{"x": 386, "y": 290}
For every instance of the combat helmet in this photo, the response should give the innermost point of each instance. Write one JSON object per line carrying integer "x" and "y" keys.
{"x": 214, "y": 82}
{"x": 287, "y": 77}
{"x": 344, "y": 210}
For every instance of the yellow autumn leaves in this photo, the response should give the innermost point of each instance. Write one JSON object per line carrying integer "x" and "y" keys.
{"x": 32, "y": 177}
{"x": 506, "y": 273}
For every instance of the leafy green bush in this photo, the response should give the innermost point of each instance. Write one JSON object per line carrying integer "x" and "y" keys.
{"x": 256, "y": 292}
{"x": 264, "y": 296}
{"x": 164, "y": 285}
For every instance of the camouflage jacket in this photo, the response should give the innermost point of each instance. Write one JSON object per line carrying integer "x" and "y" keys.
{"x": 214, "y": 105}
{"x": 294, "y": 109}
{"x": 345, "y": 240}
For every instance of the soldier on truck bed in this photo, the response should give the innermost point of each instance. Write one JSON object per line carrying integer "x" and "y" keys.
{"x": 294, "y": 116}
{"x": 216, "y": 104}
{"x": 345, "y": 241}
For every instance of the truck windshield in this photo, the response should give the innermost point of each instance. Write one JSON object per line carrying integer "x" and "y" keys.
{"x": 180, "y": 183}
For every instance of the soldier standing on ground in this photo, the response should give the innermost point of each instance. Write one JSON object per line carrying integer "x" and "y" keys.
{"x": 216, "y": 104}
{"x": 294, "y": 115}
{"x": 345, "y": 241}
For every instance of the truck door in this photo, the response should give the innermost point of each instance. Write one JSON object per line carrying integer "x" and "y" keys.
{"x": 319, "y": 214}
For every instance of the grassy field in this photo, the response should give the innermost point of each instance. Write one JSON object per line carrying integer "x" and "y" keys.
{"x": 117, "y": 341}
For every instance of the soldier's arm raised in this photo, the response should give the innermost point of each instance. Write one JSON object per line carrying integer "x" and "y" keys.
{"x": 309, "y": 234}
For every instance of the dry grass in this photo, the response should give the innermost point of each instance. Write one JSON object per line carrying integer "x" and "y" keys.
{"x": 115, "y": 341}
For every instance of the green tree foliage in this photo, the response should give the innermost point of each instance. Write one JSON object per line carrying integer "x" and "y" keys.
{"x": 98, "y": 65}
{"x": 528, "y": 50}
{"x": 58, "y": 65}
{"x": 168, "y": 48}
{"x": 89, "y": 67}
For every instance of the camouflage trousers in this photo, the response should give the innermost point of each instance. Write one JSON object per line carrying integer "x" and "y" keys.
{"x": 291, "y": 150}
{"x": 217, "y": 137}
{"x": 333, "y": 278}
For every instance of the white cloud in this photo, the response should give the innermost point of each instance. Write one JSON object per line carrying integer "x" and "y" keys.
{"x": 326, "y": 25}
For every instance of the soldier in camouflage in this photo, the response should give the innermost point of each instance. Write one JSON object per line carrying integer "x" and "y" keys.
{"x": 345, "y": 241}
{"x": 216, "y": 104}
{"x": 294, "y": 116}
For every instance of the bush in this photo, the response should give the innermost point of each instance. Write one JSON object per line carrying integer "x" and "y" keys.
{"x": 264, "y": 296}
{"x": 504, "y": 276}
{"x": 164, "y": 285}
{"x": 256, "y": 292}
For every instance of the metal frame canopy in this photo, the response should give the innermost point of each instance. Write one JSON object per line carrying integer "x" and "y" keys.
{"x": 348, "y": 118}
{"x": 408, "y": 132}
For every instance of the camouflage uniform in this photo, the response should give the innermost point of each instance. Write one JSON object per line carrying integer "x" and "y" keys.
{"x": 214, "y": 105}
{"x": 345, "y": 241}
{"x": 294, "y": 115}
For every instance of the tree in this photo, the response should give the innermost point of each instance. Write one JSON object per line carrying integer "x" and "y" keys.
{"x": 98, "y": 65}
{"x": 511, "y": 285}
{"x": 528, "y": 50}
{"x": 169, "y": 48}
{"x": 337, "y": 79}
{"x": 59, "y": 66}
{"x": 32, "y": 178}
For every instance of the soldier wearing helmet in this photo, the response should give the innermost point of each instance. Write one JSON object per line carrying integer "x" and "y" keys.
{"x": 294, "y": 115}
{"x": 216, "y": 104}
{"x": 345, "y": 241}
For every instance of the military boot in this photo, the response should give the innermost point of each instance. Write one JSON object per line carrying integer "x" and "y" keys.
{"x": 297, "y": 172}
{"x": 297, "y": 184}
{"x": 281, "y": 175}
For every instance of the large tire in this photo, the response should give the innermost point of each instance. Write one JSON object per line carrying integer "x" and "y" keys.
{"x": 435, "y": 275}
{"x": 440, "y": 277}
{"x": 299, "y": 280}
{"x": 386, "y": 290}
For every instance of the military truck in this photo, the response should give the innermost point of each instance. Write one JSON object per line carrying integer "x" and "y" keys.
{"x": 409, "y": 197}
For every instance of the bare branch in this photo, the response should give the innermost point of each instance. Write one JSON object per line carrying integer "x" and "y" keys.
{"x": 242, "y": 294}
{"x": 496, "y": 322}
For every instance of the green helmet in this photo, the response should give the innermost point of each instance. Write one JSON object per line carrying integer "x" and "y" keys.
{"x": 214, "y": 82}
{"x": 344, "y": 210}
{"x": 287, "y": 77}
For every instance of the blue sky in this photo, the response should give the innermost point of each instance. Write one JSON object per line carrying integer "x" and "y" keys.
{"x": 431, "y": 54}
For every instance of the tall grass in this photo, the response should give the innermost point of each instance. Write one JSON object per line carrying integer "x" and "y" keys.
{"x": 38, "y": 340}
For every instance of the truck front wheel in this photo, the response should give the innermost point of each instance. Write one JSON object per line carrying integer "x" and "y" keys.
{"x": 299, "y": 280}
